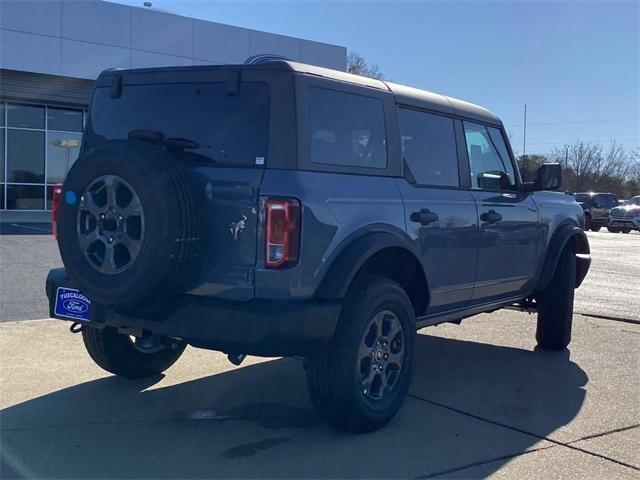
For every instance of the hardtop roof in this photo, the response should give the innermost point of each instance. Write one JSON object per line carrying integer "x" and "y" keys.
{"x": 405, "y": 95}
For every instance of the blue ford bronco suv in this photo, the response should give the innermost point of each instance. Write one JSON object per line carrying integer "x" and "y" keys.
{"x": 283, "y": 209}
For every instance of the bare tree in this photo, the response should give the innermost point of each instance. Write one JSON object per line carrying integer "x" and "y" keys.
{"x": 358, "y": 65}
{"x": 589, "y": 166}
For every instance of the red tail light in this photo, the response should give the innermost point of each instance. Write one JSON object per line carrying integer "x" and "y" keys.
{"x": 282, "y": 232}
{"x": 55, "y": 201}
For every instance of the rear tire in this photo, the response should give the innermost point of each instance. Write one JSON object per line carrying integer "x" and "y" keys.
{"x": 359, "y": 382}
{"x": 595, "y": 228}
{"x": 613, "y": 229}
{"x": 626, "y": 230}
{"x": 587, "y": 222}
{"x": 555, "y": 305}
{"x": 118, "y": 354}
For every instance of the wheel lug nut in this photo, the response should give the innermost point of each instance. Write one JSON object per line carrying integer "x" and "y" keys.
{"x": 386, "y": 356}
{"x": 110, "y": 239}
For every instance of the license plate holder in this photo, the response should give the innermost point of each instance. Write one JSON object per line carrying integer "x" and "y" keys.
{"x": 71, "y": 304}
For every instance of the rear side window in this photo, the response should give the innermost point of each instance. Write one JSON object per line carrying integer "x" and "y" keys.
{"x": 226, "y": 129}
{"x": 487, "y": 154}
{"x": 429, "y": 148}
{"x": 346, "y": 129}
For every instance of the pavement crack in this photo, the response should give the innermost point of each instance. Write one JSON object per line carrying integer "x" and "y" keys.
{"x": 525, "y": 432}
{"x": 484, "y": 462}
{"x": 604, "y": 434}
{"x": 610, "y": 317}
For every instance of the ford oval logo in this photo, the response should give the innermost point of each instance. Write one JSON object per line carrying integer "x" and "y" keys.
{"x": 75, "y": 305}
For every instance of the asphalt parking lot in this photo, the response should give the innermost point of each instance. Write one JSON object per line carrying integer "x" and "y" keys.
{"x": 484, "y": 402}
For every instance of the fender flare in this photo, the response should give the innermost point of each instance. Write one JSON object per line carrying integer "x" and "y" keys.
{"x": 345, "y": 265}
{"x": 564, "y": 234}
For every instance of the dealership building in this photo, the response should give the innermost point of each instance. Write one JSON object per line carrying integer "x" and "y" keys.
{"x": 52, "y": 50}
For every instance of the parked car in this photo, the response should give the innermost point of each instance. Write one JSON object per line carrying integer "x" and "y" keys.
{"x": 596, "y": 208}
{"x": 285, "y": 209}
{"x": 625, "y": 218}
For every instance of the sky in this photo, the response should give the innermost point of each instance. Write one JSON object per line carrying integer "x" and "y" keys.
{"x": 575, "y": 64}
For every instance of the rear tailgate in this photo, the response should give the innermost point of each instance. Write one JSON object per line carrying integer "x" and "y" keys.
{"x": 229, "y": 114}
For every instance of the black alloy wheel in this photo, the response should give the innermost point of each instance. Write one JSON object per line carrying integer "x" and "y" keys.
{"x": 110, "y": 224}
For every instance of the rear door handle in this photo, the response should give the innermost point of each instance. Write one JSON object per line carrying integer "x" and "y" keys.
{"x": 424, "y": 217}
{"x": 491, "y": 217}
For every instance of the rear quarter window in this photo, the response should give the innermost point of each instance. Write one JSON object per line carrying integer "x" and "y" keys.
{"x": 346, "y": 129}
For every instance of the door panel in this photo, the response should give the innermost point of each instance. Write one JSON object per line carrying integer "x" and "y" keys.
{"x": 507, "y": 245}
{"x": 448, "y": 244}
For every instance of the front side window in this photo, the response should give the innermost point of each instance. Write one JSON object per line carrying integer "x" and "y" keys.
{"x": 346, "y": 129}
{"x": 489, "y": 160}
{"x": 429, "y": 148}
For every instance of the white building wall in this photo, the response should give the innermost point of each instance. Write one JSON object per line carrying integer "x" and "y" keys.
{"x": 80, "y": 38}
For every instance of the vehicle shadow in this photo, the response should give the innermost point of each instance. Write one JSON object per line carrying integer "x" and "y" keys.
{"x": 256, "y": 421}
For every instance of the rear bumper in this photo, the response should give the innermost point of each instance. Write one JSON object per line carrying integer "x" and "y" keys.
{"x": 257, "y": 327}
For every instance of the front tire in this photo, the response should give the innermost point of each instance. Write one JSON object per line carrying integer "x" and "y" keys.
{"x": 140, "y": 358}
{"x": 613, "y": 229}
{"x": 359, "y": 382}
{"x": 595, "y": 228}
{"x": 587, "y": 222}
{"x": 555, "y": 305}
{"x": 626, "y": 230}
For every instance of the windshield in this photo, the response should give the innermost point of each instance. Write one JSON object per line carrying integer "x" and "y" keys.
{"x": 635, "y": 200}
{"x": 583, "y": 197}
{"x": 203, "y": 118}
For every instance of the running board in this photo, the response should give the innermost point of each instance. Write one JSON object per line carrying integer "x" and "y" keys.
{"x": 456, "y": 316}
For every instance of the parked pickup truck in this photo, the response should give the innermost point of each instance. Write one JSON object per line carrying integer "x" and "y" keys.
{"x": 285, "y": 209}
{"x": 596, "y": 208}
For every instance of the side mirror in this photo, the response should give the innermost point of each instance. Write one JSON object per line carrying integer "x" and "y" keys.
{"x": 494, "y": 180}
{"x": 548, "y": 177}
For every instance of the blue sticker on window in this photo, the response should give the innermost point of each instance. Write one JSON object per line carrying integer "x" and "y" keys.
{"x": 70, "y": 197}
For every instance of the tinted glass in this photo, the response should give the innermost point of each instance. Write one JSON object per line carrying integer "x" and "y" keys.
{"x": 1, "y": 114}
{"x": 25, "y": 156}
{"x": 635, "y": 200}
{"x": 1, "y": 155}
{"x": 1, "y": 197}
{"x": 583, "y": 197}
{"x": 346, "y": 129}
{"x": 63, "y": 119}
{"x": 25, "y": 197}
{"x": 429, "y": 148}
{"x": 484, "y": 156}
{"x": 62, "y": 152}
{"x": 25, "y": 116}
{"x": 228, "y": 129}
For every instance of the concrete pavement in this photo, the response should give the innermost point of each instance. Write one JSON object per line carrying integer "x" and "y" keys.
{"x": 484, "y": 403}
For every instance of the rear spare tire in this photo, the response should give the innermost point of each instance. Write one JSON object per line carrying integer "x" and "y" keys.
{"x": 127, "y": 230}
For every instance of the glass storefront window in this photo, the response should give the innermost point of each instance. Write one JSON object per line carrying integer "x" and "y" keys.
{"x": 25, "y": 156}
{"x": 25, "y": 116}
{"x": 38, "y": 146}
{"x": 62, "y": 152}
{"x": 25, "y": 197}
{"x": 64, "y": 119}
{"x": 2, "y": 155}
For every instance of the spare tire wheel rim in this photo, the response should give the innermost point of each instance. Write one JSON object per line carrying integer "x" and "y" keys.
{"x": 110, "y": 224}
